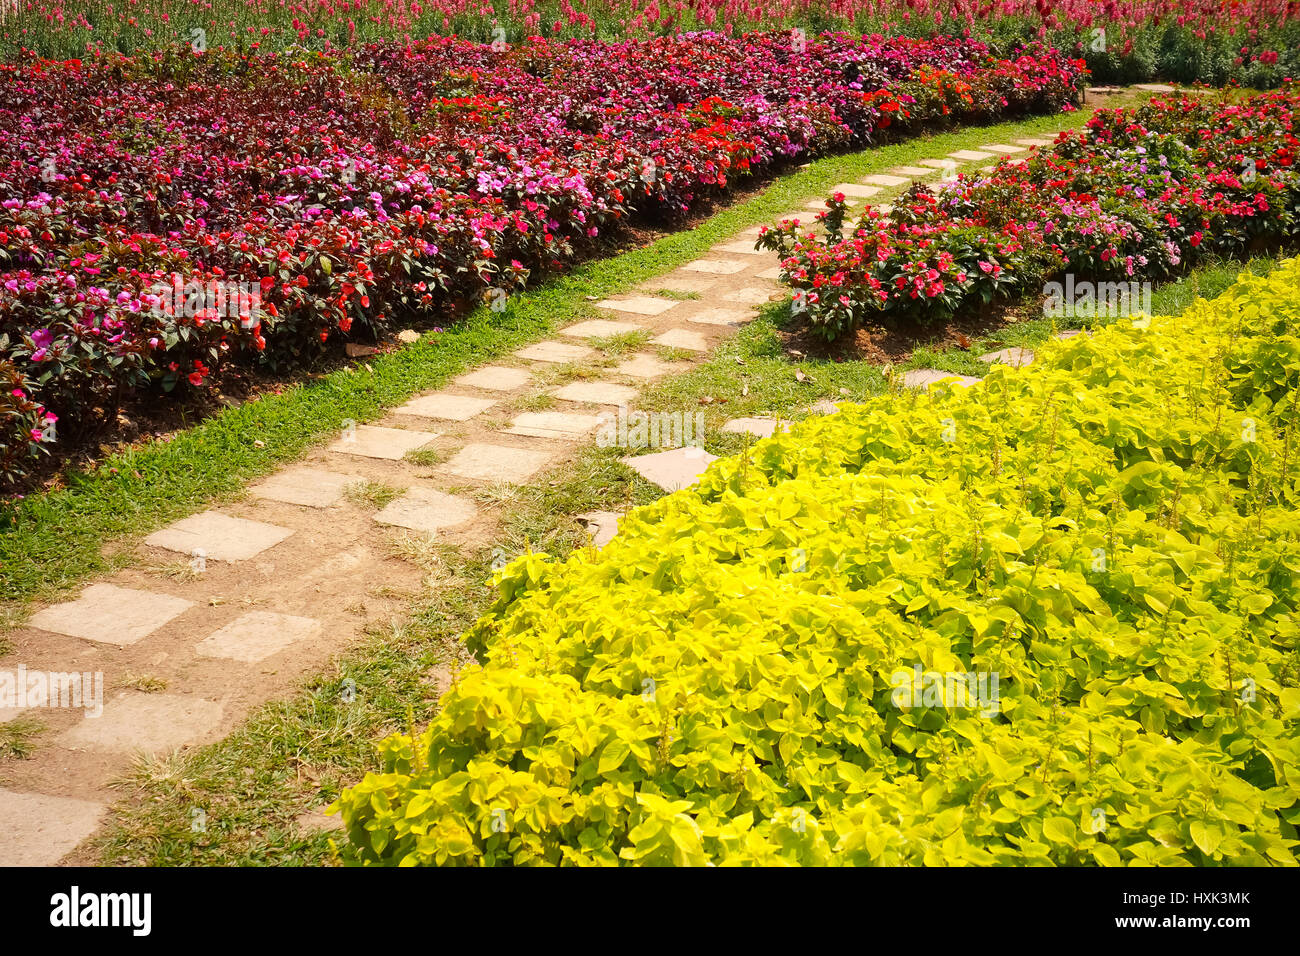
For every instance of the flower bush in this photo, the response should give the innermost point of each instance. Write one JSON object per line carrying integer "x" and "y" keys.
{"x": 748, "y": 673}
{"x": 1134, "y": 195}
{"x": 169, "y": 213}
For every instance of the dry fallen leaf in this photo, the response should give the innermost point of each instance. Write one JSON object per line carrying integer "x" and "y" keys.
{"x": 799, "y": 376}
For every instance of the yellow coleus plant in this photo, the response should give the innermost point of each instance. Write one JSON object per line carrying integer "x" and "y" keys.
{"x": 1050, "y": 619}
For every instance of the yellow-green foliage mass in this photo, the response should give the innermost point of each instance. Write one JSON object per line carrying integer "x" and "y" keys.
{"x": 1047, "y": 619}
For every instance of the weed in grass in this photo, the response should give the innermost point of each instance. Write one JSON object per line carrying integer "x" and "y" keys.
{"x": 537, "y": 402}
{"x": 17, "y": 737}
{"x": 375, "y": 494}
{"x": 425, "y": 457}
{"x": 620, "y": 344}
{"x": 676, "y": 294}
{"x": 145, "y": 683}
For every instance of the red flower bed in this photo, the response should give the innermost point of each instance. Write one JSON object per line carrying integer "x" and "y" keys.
{"x": 167, "y": 214}
{"x": 1133, "y": 196}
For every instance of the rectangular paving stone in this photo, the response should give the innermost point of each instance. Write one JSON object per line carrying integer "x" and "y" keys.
{"x": 1037, "y": 141}
{"x": 925, "y": 377}
{"x": 597, "y": 393}
{"x": 566, "y": 426}
{"x": 672, "y": 470}
{"x": 484, "y": 462}
{"x": 940, "y": 163}
{"x": 372, "y": 441}
{"x": 37, "y": 829}
{"x": 601, "y": 525}
{"x": 684, "y": 284}
{"x": 1016, "y": 356}
{"x": 256, "y": 636}
{"x": 682, "y": 339}
{"x": 302, "y": 485}
{"x": 555, "y": 352}
{"x": 452, "y": 408}
{"x": 637, "y": 304}
{"x": 759, "y": 427}
{"x": 749, "y": 295}
{"x": 601, "y": 328}
{"x": 883, "y": 179}
{"x": 218, "y": 536}
{"x": 721, "y": 317}
{"x": 496, "y": 378}
{"x": 969, "y": 155}
{"x": 648, "y": 366}
{"x": 913, "y": 171}
{"x": 857, "y": 190}
{"x": 717, "y": 267}
{"x": 1004, "y": 148}
{"x": 108, "y": 614}
{"x": 772, "y": 273}
{"x": 744, "y": 247}
{"x": 153, "y": 723}
{"x": 427, "y": 510}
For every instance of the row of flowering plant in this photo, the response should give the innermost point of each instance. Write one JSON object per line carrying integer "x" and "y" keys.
{"x": 170, "y": 213}
{"x": 1133, "y": 196}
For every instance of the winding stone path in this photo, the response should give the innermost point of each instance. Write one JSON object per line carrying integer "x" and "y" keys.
{"x": 232, "y": 606}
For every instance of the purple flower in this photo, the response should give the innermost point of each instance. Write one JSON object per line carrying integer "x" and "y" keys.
{"x": 42, "y": 339}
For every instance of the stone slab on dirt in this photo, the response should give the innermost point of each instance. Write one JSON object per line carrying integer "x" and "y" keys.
{"x": 1015, "y": 356}
{"x": 427, "y": 510}
{"x": 637, "y": 305}
{"x": 566, "y": 426}
{"x": 452, "y": 408}
{"x": 601, "y": 328}
{"x": 758, "y": 427}
{"x": 647, "y": 366}
{"x": 601, "y": 525}
{"x": 221, "y": 537}
{"x": 108, "y": 614}
{"x": 496, "y": 378}
{"x": 682, "y": 339}
{"x": 721, "y": 317}
{"x": 37, "y": 829}
{"x": 925, "y": 377}
{"x": 153, "y": 723}
{"x": 672, "y": 470}
{"x": 484, "y": 462}
{"x": 557, "y": 352}
{"x": 257, "y": 635}
{"x": 373, "y": 441}
{"x": 597, "y": 393}
{"x": 302, "y": 485}
{"x": 717, "y": 267}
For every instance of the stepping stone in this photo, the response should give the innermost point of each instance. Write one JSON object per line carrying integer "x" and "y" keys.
{"x": 824, "y": 406}
{"x": 914, "y": 171}
{"x": 821, "y": 205}
{"x": 601, "y": 525}
{"x": 749, "y": 295}
{"x": 717, "y": 267}
{"x": 638, "y": 304}
{"x": 674, "y": 283}
{"x": 602, "y": 328}
{"x": 496, "y": 378}
{"x": 672, "y": 470}
{"x": 566, "y": 426}
{"x": 309, "y": 487}
{"x": 1015, "y": 356}
{"x": 759, "y": 427}
{"x": 108, "y": 614}
{"x": 986, "y": 170}
{"x": 154, "y": 723}
{"x": 925, "y": 377}
{"x": 744, "y": 247}
{"x": 484, "y": 462}
{"x": 881, "y": 179}
{"x": 1149, "y": 87}
{"x": 751, "y": 231}
{"x": 37, "y": 829}
{"x": 452, "y": 408}
{"x": 939, "y": 163}
{"x": 772, "y": 273}
{"x": 597, "y": 393}
{"x": 857, "y": 190}
{"x": 256, "y": 636}
{"x": 424, "y": 509}
{"x": 682, "y": 339}
{"x": 555, "y": 352}
{"x": 721, "y": 317}
{"x": 969, "y": 155}
{"x": 647, "y": 366}
{"x": 372, "y": 441}
{"x": 212, "y": 534}
{"x": 1002, "y": 148}
{"x": 1037, "y": 141}
{"x": 1069, "y": 334}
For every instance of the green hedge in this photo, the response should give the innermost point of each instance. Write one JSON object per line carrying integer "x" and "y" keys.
{"x": 1106, "y": 539}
